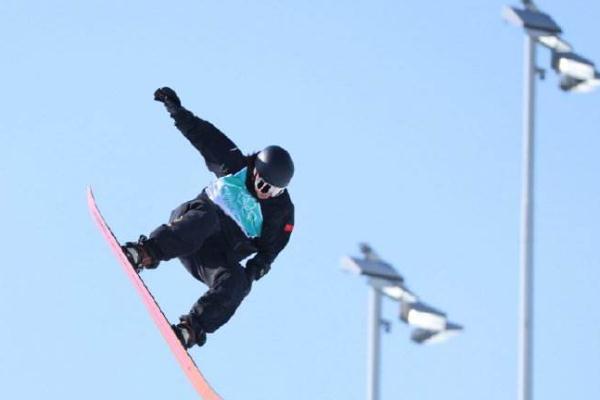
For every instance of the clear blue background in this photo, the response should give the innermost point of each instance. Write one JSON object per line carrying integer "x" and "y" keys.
{"x": 404, "y": 119}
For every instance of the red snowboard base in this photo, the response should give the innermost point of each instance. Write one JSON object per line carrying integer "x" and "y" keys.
{"x": 185, "y": 360}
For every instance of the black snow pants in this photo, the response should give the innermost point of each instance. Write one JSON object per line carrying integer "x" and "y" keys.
{"x": 194, "y": 235}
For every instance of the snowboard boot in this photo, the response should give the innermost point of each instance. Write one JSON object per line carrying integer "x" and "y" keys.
{"x": 186, "y": 334}
{"x": 140, "y": 254}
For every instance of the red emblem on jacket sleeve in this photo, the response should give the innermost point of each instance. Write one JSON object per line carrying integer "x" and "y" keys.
{"x": 288, "y": 228}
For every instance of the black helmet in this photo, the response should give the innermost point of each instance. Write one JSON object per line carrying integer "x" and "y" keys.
{"x": 275, "y": 166}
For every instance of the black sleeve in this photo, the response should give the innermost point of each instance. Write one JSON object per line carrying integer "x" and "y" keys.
{"x": 275, "y": 236}
{"x": 221, "y": 155}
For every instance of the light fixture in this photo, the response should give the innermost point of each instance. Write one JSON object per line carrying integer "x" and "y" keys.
{"x": 573, "y": 65}
{"x": 383, "y": 279}
{"x": 372, "y": 268}
{"x": 399, "y": 293}
{"x": 538, "y": 23}
{"x": 555, "y": 42}
{"x": 570, "y": 84}
{"x": 577, "y": 75}
{"x": 422, "y": 316}
{"x": 424, "y": 336}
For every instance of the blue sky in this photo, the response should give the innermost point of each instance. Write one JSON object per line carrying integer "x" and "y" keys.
{"x": 404, "y": 121}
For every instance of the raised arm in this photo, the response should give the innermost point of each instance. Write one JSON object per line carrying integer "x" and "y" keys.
{"x": 221, "y": 155}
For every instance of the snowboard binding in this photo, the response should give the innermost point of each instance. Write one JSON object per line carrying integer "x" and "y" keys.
{"x": 140, "y": 254}
{"x": 186, "y": 334}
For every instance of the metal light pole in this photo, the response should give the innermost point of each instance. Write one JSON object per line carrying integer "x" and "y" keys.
{"x": 578, "y": 75}
{"x": 431, "y": 324}
{"x": 527, "y": 218}
{"x": 373, "y": 344}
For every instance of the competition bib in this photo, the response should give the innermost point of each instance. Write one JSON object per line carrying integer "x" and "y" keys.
{"x": 231, "y": 195}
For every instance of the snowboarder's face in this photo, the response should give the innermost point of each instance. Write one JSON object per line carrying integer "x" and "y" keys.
{"x": 263, "y": 189}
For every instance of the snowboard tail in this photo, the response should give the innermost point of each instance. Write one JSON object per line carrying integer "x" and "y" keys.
{"x": 183, "y": 358}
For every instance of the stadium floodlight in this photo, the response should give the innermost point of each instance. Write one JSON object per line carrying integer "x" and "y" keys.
{"x": 383, "y": 279}
{"x": 539, "y": 25}
{"x": 424, "y": 336}
{"x": 382, "y": 275}
{"x": 423, "y": 316}
{"x": 573, "y": 65}
{"x": 577, "y": 75}
{"x": 570, "y": 84}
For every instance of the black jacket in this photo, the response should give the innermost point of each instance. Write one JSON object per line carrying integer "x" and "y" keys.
{"x": 222, "y": 157}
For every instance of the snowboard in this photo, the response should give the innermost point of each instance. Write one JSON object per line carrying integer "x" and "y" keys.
{"x": 183, "y": 358}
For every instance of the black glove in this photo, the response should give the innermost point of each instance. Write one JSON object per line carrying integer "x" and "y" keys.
{"x": 256, "y": 269}
{"x": 169, "y": 98}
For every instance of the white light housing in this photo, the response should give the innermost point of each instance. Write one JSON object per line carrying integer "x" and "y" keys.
{"x": 423, "y": 316}
{"x": 587, "y": 86}
{"x": 424, "y": 336}
{"x": 555, "y": 43}
{"x": 573, "y": 65}
{"x": 571, "y": 84}
{"x": 398, "y": 292}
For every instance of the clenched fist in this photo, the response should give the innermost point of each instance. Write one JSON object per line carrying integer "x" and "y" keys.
{"x": 169, "y": 98}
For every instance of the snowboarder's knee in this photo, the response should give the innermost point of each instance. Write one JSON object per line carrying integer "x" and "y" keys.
{"x": 237, "y": 284}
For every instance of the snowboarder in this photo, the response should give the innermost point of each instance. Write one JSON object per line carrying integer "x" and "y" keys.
{"x": 246, "y": 211}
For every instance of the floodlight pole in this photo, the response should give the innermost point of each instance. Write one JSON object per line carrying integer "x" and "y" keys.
{"x": 373, "y": 345}
{"x": 527, "y": 218}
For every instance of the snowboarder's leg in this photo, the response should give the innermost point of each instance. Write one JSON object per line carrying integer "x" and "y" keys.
{"x": 228, "y": 286}
{"x": 190, "y": 224}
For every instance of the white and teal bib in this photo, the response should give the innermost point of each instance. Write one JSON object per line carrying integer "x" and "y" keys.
{"x": 232, "y": 196}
